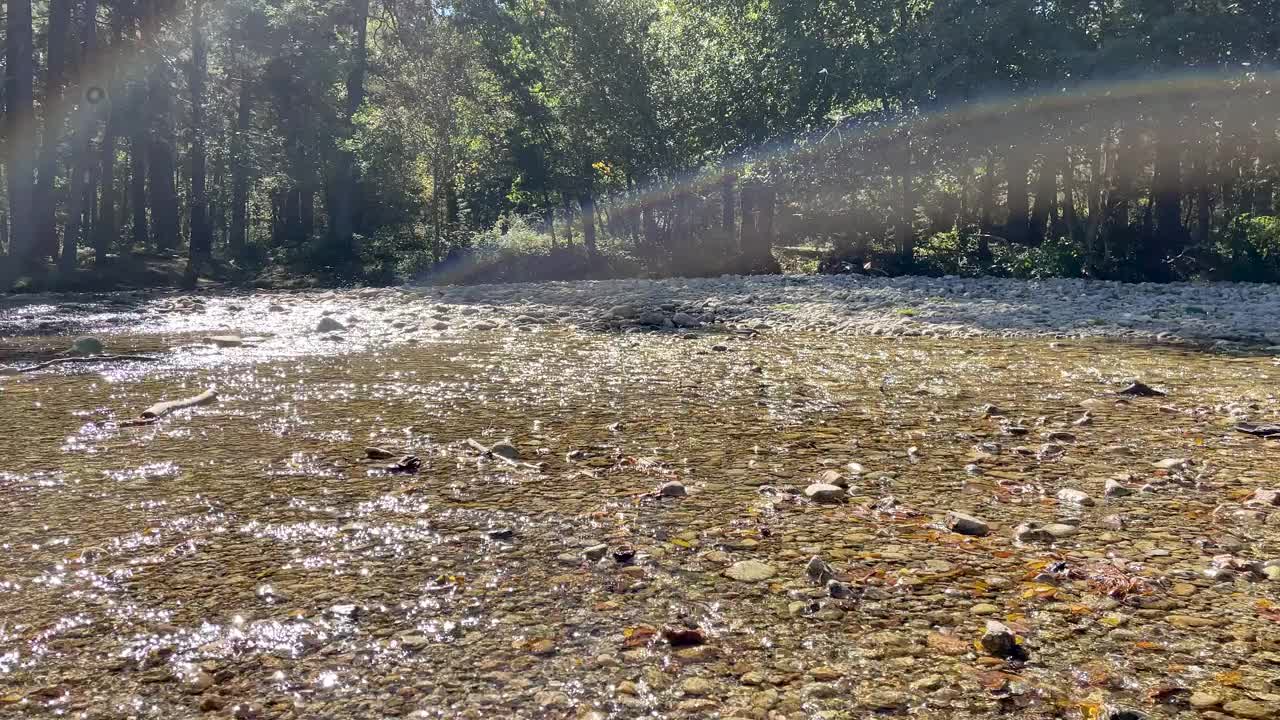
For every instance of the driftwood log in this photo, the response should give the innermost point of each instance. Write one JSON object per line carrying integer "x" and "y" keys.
{"x": 161, "y": 409}
{"x": 87, "y": 359}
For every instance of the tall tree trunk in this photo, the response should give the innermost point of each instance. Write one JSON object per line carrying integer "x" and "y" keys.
{"x": 907, "y": 208}
{"x": 756, "y": 240}
{"x": 106, "y": 229}
{"x": 747, "y": 233}
{"x": 1269, "y": 159}
{"x": 162, "y": 192}
{"x": 1045, "y": 195}
{"x": 1170, "y": 236}
{"x": 1016, "y": 228}
{"x": 727, "y": 182}
{"x": 46, "y": 202}
{"x": 83, "y": 127}
{"x": 141, "y": 232}
{"x": 588, "y": 205}
{"x": 201, "y": 240}
{"x": 988, "y": 192}
{"x": 1069, "y": 216}
{"x": 1203, "y": 183}
{"x": 1126, "y": 173}
{"x": 767, "y": 205}
{"x": 344, "y": 213}
{"x": 19, "y": 122}
{"x": 240, "y": 171}
{"x": 652, "y": 233}
{"x": 139, "y": 138}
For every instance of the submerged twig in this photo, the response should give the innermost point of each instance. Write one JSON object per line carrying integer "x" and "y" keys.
{"x": 88, "y": 359}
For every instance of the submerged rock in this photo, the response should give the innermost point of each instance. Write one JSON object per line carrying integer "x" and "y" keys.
{"x": 818, "y": 570}
{"x": 673, "y": 489}
{"x": 963, "y": 524}
{"x": 684, "y": 320}
{"x": 505, "y": 449}
{"x": 1032, "y": 532}
{"x": 1071, "y": 496}
{"x": 825, "y": 494}
{"x": 751, "y": 571}
{"x": 1141, "y": 389}
{"x": 87, "y": 345}
{"x": 1114, "y": 488}
{"x": 328, "y": 324}
{"x": 999, "y": 641}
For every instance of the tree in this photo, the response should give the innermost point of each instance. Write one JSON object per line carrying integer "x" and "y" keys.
{"x": 20, "y": 134}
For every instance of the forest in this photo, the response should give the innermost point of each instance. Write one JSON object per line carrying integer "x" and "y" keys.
{"x": 492, "y": 140}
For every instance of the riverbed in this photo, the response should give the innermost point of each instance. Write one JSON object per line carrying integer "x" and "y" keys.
{"x": 447, "y": 503}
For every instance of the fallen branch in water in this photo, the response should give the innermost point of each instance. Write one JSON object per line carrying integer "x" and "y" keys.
{"x": 88, "y": 359}
{"x": 161, "y": 409}
{"x": 488, "y": 452}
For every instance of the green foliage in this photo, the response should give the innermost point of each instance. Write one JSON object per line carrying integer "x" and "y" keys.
{"x": 1250, "y": 248}
{"x": 954, "y": 252}
{"x": 960, "y": 252}
{"x": 1054, "y": 257}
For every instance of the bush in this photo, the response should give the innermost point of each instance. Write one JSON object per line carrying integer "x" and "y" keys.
{"x": 1055, "y": 257}
{"x": 1250, "y": 248}
{"x": 954, "y": 252}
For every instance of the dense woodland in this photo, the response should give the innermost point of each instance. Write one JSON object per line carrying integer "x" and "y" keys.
{"x": 508, "y": 139}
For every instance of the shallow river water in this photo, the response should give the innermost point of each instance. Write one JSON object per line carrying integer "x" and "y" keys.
{"x": 246, "y": 559}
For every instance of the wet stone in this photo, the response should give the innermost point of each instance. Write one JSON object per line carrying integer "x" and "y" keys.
{"x": 328, "y": 325}
{"x": 963, "y": 524}
{"x": 999, "y": 641}
{"x": 1115, "y": 489}
{"x": 751, "y": 571}
{"x": 1070, "y": 496}
{"x": 1251, "y": 709}
{"x": 673, "y": 489}
{"x": 825, "y": 494}
{"x": 87, "y": 345}
{"x": 819, "y": 571}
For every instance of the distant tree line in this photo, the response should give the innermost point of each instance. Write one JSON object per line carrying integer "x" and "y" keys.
{"x": 1131, "y": 139}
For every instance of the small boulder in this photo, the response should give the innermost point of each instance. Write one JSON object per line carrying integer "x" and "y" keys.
{"x": 672, "y": 489}
{"x": 328, "y": 324}
{"x": 505, "y": 449}
{"x": 595, "y": 552}
{"x": 652, "y": 318}
{"x": 87, "y": 346}
{"x": 839, "y": 590}
{"x": 685, "y": 320}
{"x": 1114, "y": 488}
{"x": 963, "y": 524}
{"x": 999, "y": 641}
{"x": 1141, "y": 389}
{"x": 751, "y": 571}
{"x": 1071, "y": 496}
{"x": 819, "y": 571}
{"x": 831, "y": 477}
{"x": 223, "y": 341}
{"x": 1263, "y": 497}
{"x": 825, "y": 494}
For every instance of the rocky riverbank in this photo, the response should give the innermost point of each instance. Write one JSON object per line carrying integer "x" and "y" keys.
{"x": 1205, "y": 314}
